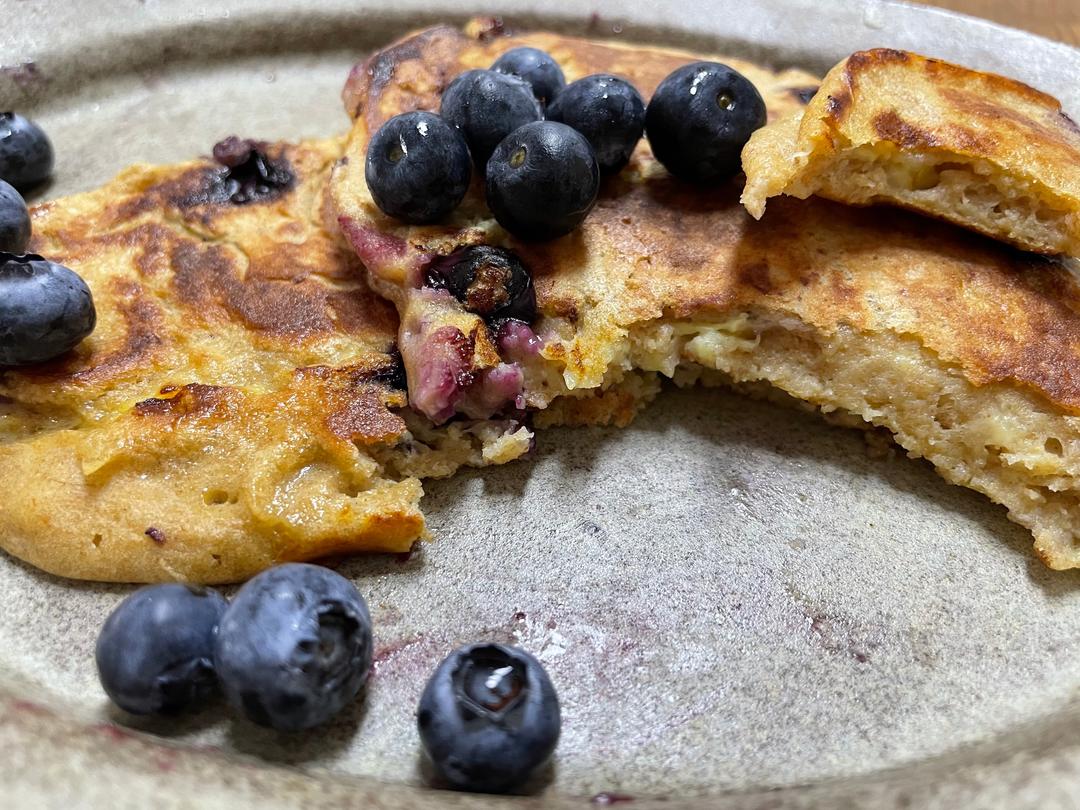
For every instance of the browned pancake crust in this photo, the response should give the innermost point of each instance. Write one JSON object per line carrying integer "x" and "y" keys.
{"x": 412, "y": 74}
{"x": 238, "y": 404}
{"x": 656, "y": 247}
{"x": 179, "y": 261}
{"x": 886, "y": 124}
{"x": 966, "y": 349}
{"x": 987, "y": 115}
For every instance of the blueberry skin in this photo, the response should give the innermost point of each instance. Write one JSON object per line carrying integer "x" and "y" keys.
{"x": 26, "y": 155}
{"x": 14, "y": 220}
{"x": 700, "y": 118}
{"x": 45, "y": 309}
{"x": 155, "y": 651}
{"x": 490, "y": 281}
{"x": 542, "y": 180}
{"x": 607, "y": 110}
{"x": 487, "y": 106}
{"x": 488, "y": 717}
{"x": 294, "y": 647}
{"x": 418, "y": 168}
{"x": 537, "y": 68}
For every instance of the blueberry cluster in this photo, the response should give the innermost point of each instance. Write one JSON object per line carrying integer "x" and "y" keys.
{"x": 294, "y": 648}
{"x": 45, "y": 308}
{"x": 543, "y": 145}
{"x": 290, "y": 651}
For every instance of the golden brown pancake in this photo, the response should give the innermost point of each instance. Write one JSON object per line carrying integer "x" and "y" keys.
{"x": 239, "y": 403}
{"x": 968, "y": 351}
{"x": 411, "y": 74}
{"x": 978, "y": 150}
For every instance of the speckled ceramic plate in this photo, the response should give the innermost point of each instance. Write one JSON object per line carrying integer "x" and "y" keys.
{"x": 740, "y": 606}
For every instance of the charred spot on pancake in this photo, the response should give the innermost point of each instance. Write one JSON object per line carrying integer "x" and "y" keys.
{"x": 891, "y": 127}
{"x": 356, "y": 409}
{"x": 247, "y": 175}
{"x": 211, "y": 281}
{"x": 191, "y": 399}
{"x": 360, "y": 415}
{"x": 803, "y": 94}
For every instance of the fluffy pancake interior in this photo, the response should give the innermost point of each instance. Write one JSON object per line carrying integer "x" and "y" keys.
{"x": 945, "y": 184}
{"x": 979, "y": 150}
{"x": 965, "y": 349}
{"x": 1000, "y": 440}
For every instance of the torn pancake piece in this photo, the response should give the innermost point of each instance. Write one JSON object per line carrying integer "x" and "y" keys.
{"x": 966, "y": 350}
{"x": 978, "y": 150}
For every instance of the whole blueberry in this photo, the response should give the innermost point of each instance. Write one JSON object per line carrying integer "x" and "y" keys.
{"x": 45, "y": 309}
{"x": 155, "y": 652}
{"x": 490, "y": 281}
{"x": 294, "y": 647}
{"x": 417, "y": 168}
{"x": 608, "y": 111}
{"x": 537, "y": 68}
{"x": 699, "y": 119}
{"x": 26, "y": 156}
{"x": 14, "y": 220}
{"x": 542, "y": 180}
{"x": 488, "y": 717}
{"x": 487, "y": 106}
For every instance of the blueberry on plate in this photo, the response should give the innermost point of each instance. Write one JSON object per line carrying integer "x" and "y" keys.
{"x": 14, "y": 220}
{"x": 155, "y": 651}
{"x": 490, "y": 281}
{"x": 26, "y": 156}
{"x": 699, "y": 119}
{"x": 537, "y": 68}
{"x": 608, "y": 111}
{"x": 542, "y": 180}
{"x": 418, "y": 168}
{"x": 488, "y": 717}
{"x": 45, "y": 309}
{"x": 294, "y": 647}
{"x": 487, "y": 106}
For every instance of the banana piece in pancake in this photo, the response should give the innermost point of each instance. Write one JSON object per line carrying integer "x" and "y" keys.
{"x": 979, "y": 150}
{"x": 241, "y": 401}
{"x": 966, "y": 350}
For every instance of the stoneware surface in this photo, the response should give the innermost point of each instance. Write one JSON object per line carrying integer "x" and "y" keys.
{"x": 740, "y": 605}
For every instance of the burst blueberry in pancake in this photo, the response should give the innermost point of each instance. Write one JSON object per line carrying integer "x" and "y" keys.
{"x": 965, "y": 349}
{"x": 455, "y": 362}
{"x": 241, "y": 400}
{"x": 979, "y": 150}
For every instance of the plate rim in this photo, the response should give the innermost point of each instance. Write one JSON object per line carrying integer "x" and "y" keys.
{"x": 985, "y": 774}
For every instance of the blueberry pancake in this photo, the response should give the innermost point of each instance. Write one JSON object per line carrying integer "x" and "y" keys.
{"x": 976, "y": 149}
{"x": 455, "y": 362}
{"x": 240, "y": 402}
{"x": 965, "y": 349}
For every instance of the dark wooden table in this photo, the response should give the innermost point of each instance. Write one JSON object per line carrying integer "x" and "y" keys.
{"x": 1055, "y": 19}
